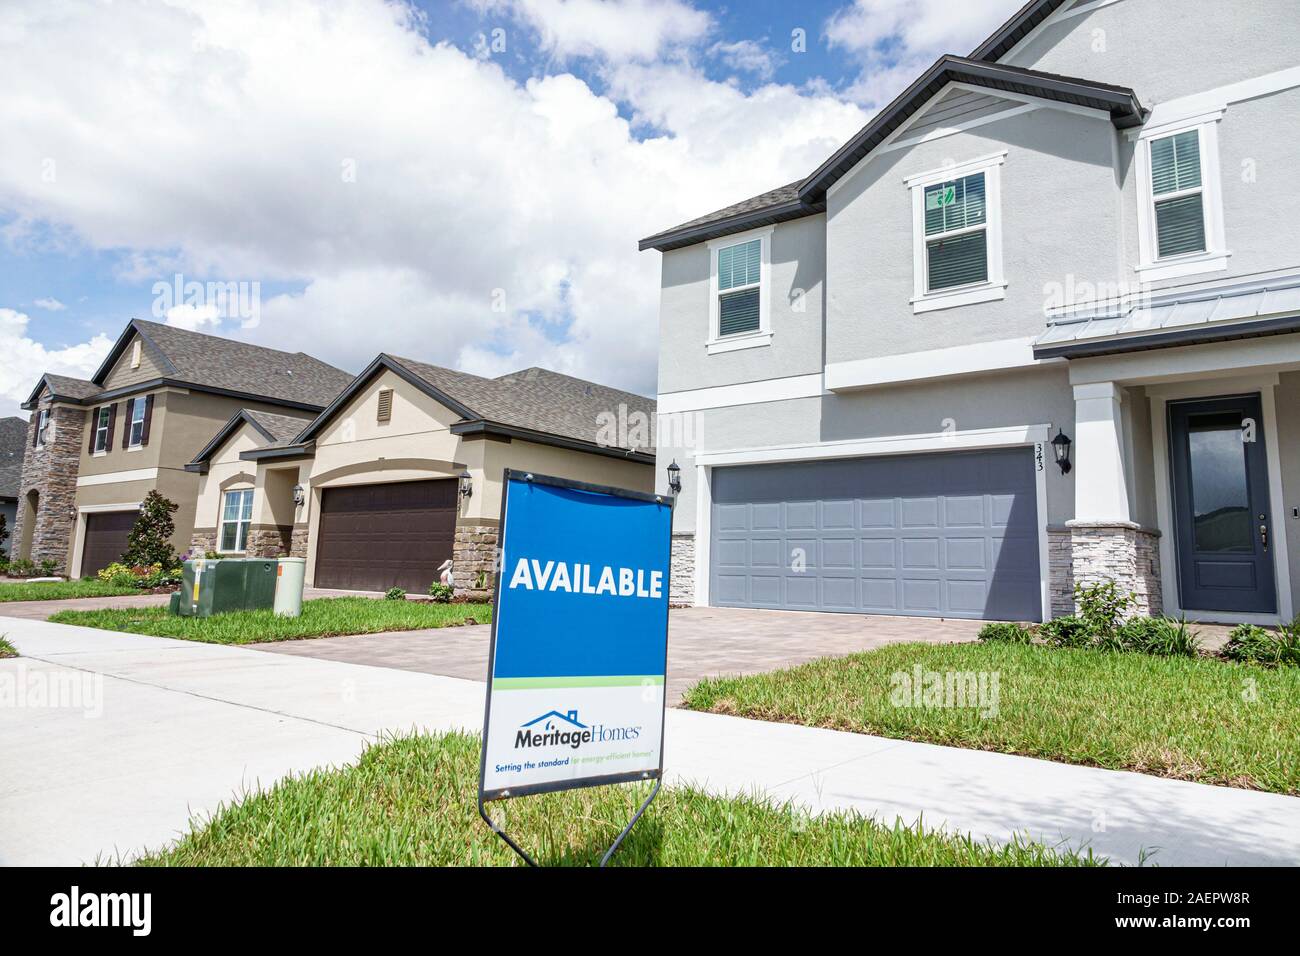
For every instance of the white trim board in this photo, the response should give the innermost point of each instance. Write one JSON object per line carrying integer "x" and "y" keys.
{"x": 971, "y": 359}
{"x": 115, "y": 477}
{"x": 742, "y": 393}
{"x": 1219, "y": 99}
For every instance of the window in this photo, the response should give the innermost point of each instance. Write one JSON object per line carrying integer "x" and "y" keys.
{"x": 236, "y": 514}
{"x": 739, "y": 312}
{"x": 957, "y": 234}
{"x": 103, "y": 425}
{"x": 135, "y": 436}
{"x": 1180, "y": 212}
{"x": 1178, "y": 195}
{"x": 42, "y": 427}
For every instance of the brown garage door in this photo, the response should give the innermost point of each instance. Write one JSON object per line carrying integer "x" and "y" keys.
{"x": 374, "y": 537}
{"x": 105, "y": 539}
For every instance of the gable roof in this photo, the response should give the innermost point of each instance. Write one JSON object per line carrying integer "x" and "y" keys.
{"x": 533, "y": 404}
{"x": 1022, "y": 22}
{"x": 62, "y": 387}
{"x": 274, "y": 429}
{"x": 213, "y": 363}
{"x": 13, "y": 445}
{"x": 808, "y": 197}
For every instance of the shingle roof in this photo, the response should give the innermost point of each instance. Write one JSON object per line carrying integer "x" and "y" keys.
{"x": 64, "y": 387}
{"x": 755, "y": 211}
{"x": 214, "y": 362}
{"x": 540, "y": 400}
{"x": 13, "y": 445}
{"x": 282, "y": 428}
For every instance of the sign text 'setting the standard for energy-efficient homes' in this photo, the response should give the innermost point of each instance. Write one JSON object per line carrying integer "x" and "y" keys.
{"x": 579, "y": 638}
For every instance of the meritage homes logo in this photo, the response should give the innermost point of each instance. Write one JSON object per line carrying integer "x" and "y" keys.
{"x": 555, "y": 729}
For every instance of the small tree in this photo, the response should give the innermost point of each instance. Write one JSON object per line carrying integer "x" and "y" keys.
{"x": 4, "y": 532}
{"x": 150, "y": 540}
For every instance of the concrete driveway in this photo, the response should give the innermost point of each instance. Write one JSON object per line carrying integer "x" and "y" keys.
{"x": 702, "y": 642}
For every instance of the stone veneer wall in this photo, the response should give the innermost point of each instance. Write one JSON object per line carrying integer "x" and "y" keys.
{"x": 268, "y": 541}
{"x": 1125, "y": 553}
{"x": 1060, "y": 571}
{"x": 203, "y": 540}
{"x": 52, "y": 472}
{"x": 681, "y": 577}
{"x": 473, "y": 561}
{"x": 298, "y": 541}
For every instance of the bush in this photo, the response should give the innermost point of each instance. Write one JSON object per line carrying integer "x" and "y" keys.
{"x": 145, "y": 577}
{"x": 22, "y": 568}
{"x": 1251, "y": 644}
{"x": 441, "y": 593}
{"x": 150, "y": 540}
{"x": 4, "y": 534}
{"x": 1101, "y": 607}
{"x": 1006, "y": 632}
{"x": 1069, "y": 631}
{"x": 1158, "y": 636}
{"x": 395, "y": 594}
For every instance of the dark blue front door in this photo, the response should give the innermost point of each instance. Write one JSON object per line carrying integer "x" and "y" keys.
{"x": 1222, "y": 523}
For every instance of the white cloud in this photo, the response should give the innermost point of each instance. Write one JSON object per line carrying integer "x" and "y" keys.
{"x": 747, "y": 56}
{"x": 193, "y": 317}
{"x": 49, "y": 305}
{"x": 400, "y": 184}
{"x": 22, "y": 360}
{"x": 617, "y": 30}
{"x": 896, "y": 40}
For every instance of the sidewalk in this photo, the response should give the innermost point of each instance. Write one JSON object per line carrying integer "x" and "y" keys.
{"x": 183, "y": 727}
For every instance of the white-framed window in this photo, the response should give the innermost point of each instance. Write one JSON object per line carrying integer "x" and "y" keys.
{"x": 42, "y": 427}
{"x": 236, "y": 515}
{"x": 103, "y": 422}
{"x": 135, "y": 436}
{"x": 1180, "y": 203}
{"x": 740, "y": 291}
{"x": 957, "y": 234}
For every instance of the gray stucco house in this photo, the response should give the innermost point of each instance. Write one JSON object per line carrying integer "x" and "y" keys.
{"x": 1084, "y": 231}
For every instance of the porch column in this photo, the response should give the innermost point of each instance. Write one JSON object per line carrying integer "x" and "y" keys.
{"x": 1105, "y": 543}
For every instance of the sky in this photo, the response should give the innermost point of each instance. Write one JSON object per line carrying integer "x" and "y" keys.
{"x": 461, "y": 182}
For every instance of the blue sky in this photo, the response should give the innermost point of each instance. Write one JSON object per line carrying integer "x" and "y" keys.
{"x": 390, "y": 178}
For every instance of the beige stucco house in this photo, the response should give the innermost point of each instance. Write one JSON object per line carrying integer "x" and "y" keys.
{"x": 96, "y": 447}
{"x": 402, "y": 471}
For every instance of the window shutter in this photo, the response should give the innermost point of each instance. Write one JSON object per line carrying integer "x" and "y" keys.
{"x": 126, "y": 425}
{"x": 385, "y": 412}
{"x": 112, "y": 423}
{"x": 37, "y": 433}
{"x": 94, "y": 427}
{"x": 738, "y": 312}
{"x": 960, "y": 260}
{"x": 148, "y": 418}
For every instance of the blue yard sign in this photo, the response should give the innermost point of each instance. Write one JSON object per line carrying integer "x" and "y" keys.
{"x": 579, "y": 638}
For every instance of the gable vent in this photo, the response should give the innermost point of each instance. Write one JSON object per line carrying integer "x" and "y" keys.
{"x": 385, "y": 405}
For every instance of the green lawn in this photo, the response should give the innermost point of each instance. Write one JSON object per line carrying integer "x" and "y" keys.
{"x": 1194, "y": 719}
{"x": 326, "y": 617}
{"x": 60, "y": 590}
{"x": 412, "y": 801}
{"x": 7, "y": 649}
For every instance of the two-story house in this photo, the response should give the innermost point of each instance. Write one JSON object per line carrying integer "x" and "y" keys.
{"x": 1037, "y": 323}
{"x": 96, "y": 447}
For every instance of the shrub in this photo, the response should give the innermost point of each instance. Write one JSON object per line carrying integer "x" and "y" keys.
{"x": 49, "y": 567}
{"x": 145, "y": 577}
{"x": 150, "y": 540}
{"x": 22, "y": 568}
{"x": 1158, "y": 636}
{"x": 1251, "y": 644}
{"x": 1006, "y": 632}
{"x": 1069, "y": 631}
{"x": 4, "y": 534}
{"x": 117, "y": 574}
{"x": 1101, "y": 607}
{"x": 441, "y": 593}
{"x": 395, "y": 594}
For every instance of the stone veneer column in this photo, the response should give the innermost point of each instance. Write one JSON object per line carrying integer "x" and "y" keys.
{"x": 681, "y": 578}
{"x": 1123, "y": 552}
{"x": 203, "y": 540}
{"x": 298, "y": 541}
{"x": 473, "y": 559}
{"x": 52, "y": 472}
{"x": 1060, "y": 571}
{"x": 268, "y": 541}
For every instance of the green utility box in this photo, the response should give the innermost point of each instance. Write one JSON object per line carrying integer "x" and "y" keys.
{"x": 227, "y": 584}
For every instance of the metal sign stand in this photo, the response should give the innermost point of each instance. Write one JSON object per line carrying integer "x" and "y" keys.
{"x": 657, "y": 775}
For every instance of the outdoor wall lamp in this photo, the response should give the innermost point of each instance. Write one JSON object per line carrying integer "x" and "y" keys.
{"x": 466, "y": 484}
{"x": 675, "y": 477}
{"x": 299, "y": 495}
{"x": 1061, "y": 446}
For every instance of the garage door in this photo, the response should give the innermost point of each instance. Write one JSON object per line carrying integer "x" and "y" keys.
{"x": 105, "y": 539}
{"x": 937, "y": 535}
{"x": 374, "y": 537}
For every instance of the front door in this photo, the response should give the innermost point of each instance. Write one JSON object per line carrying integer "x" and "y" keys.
{"x": 1223, "y": 527}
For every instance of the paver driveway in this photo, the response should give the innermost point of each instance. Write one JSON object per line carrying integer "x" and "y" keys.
{"x": 702, "y": 642}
